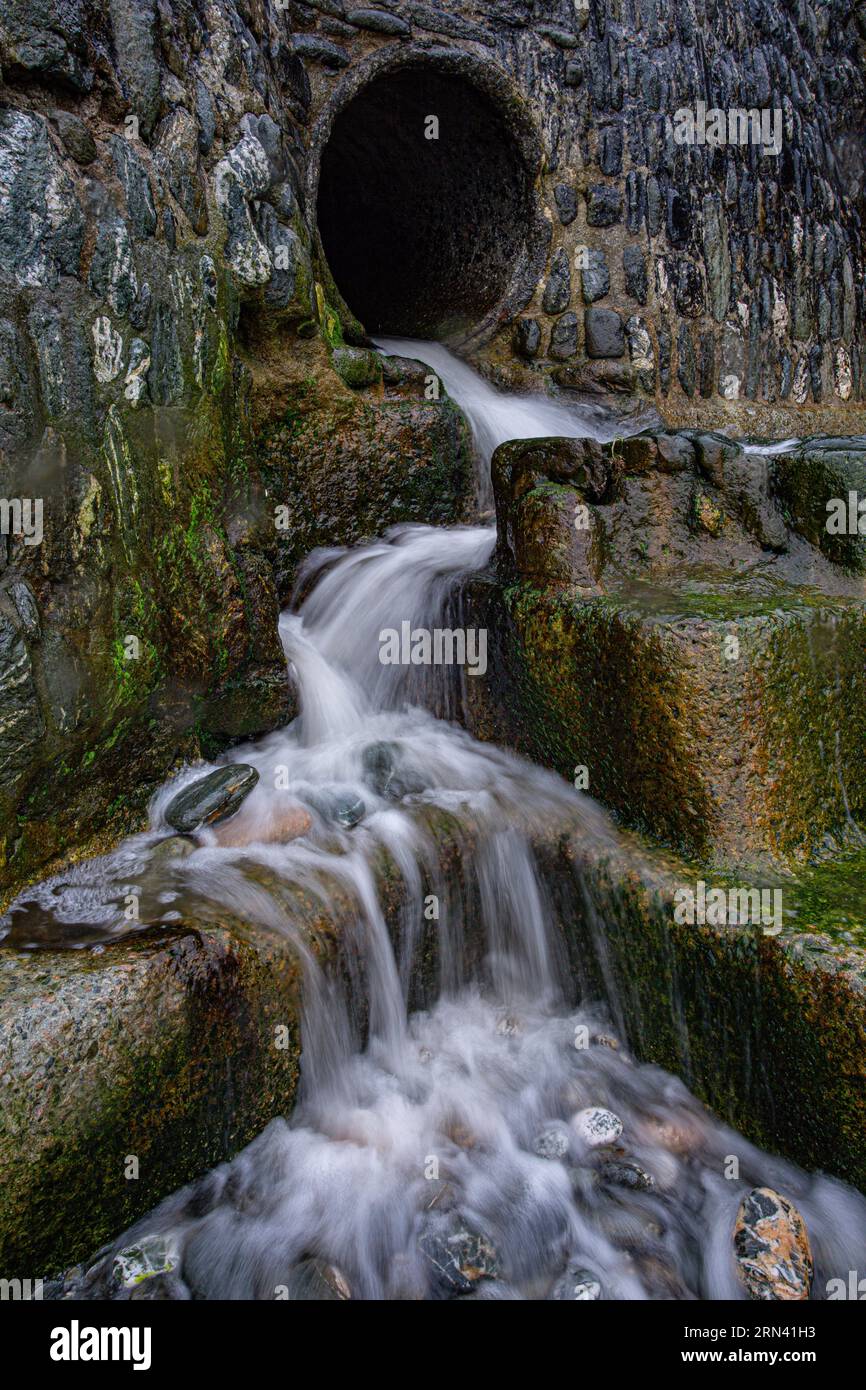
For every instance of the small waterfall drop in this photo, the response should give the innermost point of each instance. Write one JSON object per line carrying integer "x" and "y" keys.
{"x": 446, "y": 1149}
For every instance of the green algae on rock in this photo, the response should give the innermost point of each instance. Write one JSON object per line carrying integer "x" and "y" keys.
{"x": 709, "y": 681}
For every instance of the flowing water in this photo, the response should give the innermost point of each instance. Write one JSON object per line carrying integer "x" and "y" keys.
{"x": 497, "y": 1142}
{"x": 496, "y": 416}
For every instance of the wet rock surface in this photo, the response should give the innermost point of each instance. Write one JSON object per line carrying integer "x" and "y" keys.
{"x": 702, "y": 566}
{"x": 173, "y": 324}
{"x": 212, "y": 799}
{"x": 774, "y": 1258}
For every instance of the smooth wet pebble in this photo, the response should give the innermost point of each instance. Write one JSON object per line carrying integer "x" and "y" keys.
{"x": 551, "y": 1142}
{"x": 626, "y": 1173}
{"x": 457, "y": 1257}
{"x": 212, "y": 798}
{"x": 595, "y": 1126}
{"x": 576, "y": 1285}
{"x": 771, "y": 1244}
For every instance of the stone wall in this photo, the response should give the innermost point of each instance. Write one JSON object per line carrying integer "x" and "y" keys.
{"x": 709, "y": 276}
{"x": 169, "y": 324}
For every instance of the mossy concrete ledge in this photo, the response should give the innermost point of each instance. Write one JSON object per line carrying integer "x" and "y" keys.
{"x": 769, "y": 1030}
{"x": 124, "y": 1073}
{"x": 661, "y": 624}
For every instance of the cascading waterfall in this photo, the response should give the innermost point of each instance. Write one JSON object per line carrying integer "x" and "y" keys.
{"x": 497, "y": 1143}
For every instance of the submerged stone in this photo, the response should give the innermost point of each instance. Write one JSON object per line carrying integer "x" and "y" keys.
{"x": 381, "y": 770}
{"x": 317, "y": 1281}
{"x": 151, "y": 1257}
{"x": 625, "y": 1173}
{"x": 212, "y": 799}
{"x": 576, "y": 1285}
{"x": 344, "y": 808}
{"x": 173, "y": 847}
{"x": 771, "y": 1244}
{"x": 457, "y": 1257}
{"x": 596, "y": 1126}
{"x": 551, "y": 1142}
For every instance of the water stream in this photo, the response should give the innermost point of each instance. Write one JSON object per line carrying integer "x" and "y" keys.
{"x": 499, "y": 1143}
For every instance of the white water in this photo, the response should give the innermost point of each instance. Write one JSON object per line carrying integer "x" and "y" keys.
{"x": 407, "y": 1143}
{"x": 496, "y": 417}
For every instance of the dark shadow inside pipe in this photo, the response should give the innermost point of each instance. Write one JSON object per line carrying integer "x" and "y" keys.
{"x": 424, "y": 204}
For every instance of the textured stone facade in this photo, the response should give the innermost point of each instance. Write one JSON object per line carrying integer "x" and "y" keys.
{"x": 169, "y": 323}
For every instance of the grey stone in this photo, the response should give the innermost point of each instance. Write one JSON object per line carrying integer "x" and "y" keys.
{"x": 626, "y": 1173}
{"x": 27, "y": 608}
{"x": 610, "y": 149}
{"x": 634, "y": 269}
{"x": 166, "y": 376}
{"x": 563, "y": 38}
{"x": 676, "y": 453}
{"x": 205, "y": 115}
{"x": 603, "y": 205}
{"x": 527, "y": 337}
{"x": 78, "y": 142}
{"x": 136, "y": 186}
{"x": 209, "y": 281}
{"x": 551, "y": 1142}
{"x": 713, "y": 452}
{"x": 134, "y": 25}
{"x": 177, "y": 154}
{"x": 381, "y": 765}
{"x": 456, "y": 1256}
{"x": 21, "y": 723}
{"x": 113, "y": 276}
{"x": 46, "y": 37}
{"x": 243, "y": 174}
{"x": 604, "y": 333}
{"x": 17, "y": 390}
{"x": 379, "y": 22}
{"x": 41, "y": 221}
{"x": 686, "y": 360}
{"x": 315, "y": 1281}
{"x": 211, "y": 799}
{"x": 595, "y": 277}
{"x": 342, "y": 807}
{"x": 135, "y": 381}
{"x": 563, "y": 337}
{"x": 566, "y": 203}
{"x": 557, "y": 291}
{"x": 139, "y": 314}
{"x": 577, "y": 1284}
{"x": 438, "y": 22}
{"x": 330, "y": 55}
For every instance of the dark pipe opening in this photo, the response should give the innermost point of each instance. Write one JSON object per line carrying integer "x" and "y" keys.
{"x": 422, "y": 235}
